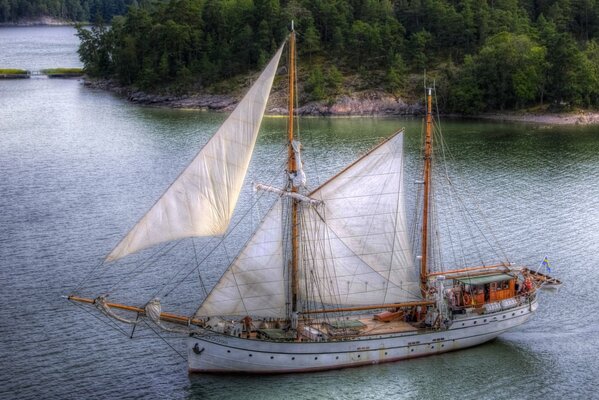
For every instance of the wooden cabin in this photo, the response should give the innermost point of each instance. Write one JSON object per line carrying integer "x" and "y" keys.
{"x": 482, "y": 289}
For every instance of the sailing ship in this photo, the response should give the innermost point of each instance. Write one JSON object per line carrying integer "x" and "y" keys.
{"x": 329, "y": 279}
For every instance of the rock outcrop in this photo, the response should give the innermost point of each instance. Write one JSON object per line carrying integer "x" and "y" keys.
{"x": 367, "y": 103}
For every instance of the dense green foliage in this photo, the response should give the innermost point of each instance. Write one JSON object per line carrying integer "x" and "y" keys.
{"x": 67, "y": 10}
{"x": 483, "y": 54}
{"x": 12, "y": 71}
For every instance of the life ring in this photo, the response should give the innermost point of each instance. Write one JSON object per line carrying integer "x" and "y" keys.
{"x": 528, "y": 284}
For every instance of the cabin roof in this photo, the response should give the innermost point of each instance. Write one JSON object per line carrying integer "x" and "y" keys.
{"x": 481, "y": 280}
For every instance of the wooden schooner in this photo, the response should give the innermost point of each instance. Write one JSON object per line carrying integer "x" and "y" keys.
{"x": 329, "y": 279}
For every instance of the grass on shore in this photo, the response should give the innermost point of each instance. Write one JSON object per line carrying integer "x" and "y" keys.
{"x": 12, "y": 71}
{"x": 62, "y": 71}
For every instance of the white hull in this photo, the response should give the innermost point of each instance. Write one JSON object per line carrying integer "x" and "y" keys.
{"x": 219, "y": 353}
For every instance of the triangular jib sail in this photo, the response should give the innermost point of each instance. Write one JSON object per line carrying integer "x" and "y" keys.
{"x": 202, "y": 199}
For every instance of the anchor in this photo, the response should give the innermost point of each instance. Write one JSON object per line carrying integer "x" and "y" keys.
{"x": 197, "y": 350}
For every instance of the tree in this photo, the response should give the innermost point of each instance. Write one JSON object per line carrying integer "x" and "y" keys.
{"x": 315, "y": 86}
{"x": 397, "y": 75}
{"x": 510, "y": 70}
{"x": 417, "y": 48}
{"x": 96, "y": 49}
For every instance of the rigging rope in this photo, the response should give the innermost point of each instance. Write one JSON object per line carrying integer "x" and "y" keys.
{"x": 164, "y": 340}
{"x": 446, "y": 216}
{"x": 109, "y": 322}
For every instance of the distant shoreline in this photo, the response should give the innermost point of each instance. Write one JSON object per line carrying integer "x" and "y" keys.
{"x": 583, "y": 117}
{"x": 41, "y": 21}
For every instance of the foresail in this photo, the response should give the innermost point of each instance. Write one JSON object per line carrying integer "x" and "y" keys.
{"x": 358, "y": 239}
{"x": 201, "y": 200}
{"x": 254, "y": 284}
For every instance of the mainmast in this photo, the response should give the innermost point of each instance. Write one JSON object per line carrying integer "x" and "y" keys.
{"x": 292, "y": 170}
{"x": 428, "y": 150}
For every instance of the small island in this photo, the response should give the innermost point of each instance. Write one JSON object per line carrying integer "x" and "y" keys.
{"x": 500, "y": 59}
{"x": 13, "y": 73}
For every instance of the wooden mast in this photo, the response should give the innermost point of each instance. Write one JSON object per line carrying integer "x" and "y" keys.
{"x": 428, "y": 144}
{"x": 292, "y": 169}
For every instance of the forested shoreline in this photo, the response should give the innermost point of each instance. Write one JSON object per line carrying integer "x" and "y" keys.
{"x": 483, "y": 55}
{"x": 24, "y": 12}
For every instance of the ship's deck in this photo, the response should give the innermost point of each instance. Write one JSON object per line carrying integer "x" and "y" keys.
{"x": 374, "y": 327}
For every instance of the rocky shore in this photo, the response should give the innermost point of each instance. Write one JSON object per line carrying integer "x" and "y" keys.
{"x": 366, "y": 103}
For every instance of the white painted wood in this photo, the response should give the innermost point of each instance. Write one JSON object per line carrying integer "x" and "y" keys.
{"x": 220, "y": 353}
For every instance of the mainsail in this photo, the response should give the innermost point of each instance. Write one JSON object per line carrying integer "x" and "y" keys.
{"x": 355, "y": 247}
{"x": 254, "y": 284}
{"x": 358, "y": 240}
{"x": 202, "y": 199}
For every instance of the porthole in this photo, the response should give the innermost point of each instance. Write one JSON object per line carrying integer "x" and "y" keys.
{"x": 359, "y": 356}
{"x": 271, "y": 357}
{"x": 513, "y": 314}
{"x": 432, "y": 347}
{"x": 293, "y": 358}
{"x": 250, "y": 355}
{"x": 336, "y": 358}
{"x": 316, "y": 358}
{"x": 228, "y": 351}
{"x": 411, "y": 349}
{"x": 385, "y": 353}
{"x": 463, "y": 324}
{"x": 485, "y": 320}
{"x": 504, "y": 316}
{"x": 442, "y": 345}
{"x": 475, "y": 322}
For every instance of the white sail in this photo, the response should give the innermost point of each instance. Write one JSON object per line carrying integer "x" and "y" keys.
{"x": 254, "y": 284}
{"x": 201, "y": 200}
{"x": 355, "y": 247}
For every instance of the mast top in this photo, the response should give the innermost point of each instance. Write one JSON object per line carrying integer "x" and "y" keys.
{"x": 292, "y": 28}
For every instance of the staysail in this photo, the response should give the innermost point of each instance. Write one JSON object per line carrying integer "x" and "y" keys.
{"x": 358, "y": 241}
{"x": 254, "y": 284}
{"x": 201, "y": 200}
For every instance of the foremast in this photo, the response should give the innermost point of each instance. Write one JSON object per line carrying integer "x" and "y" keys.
{"x": 292, "y": 171}
{"x": 428, "y": 152}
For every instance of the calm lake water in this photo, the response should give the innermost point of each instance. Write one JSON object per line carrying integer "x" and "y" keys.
{"x": 78, "y": 167}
